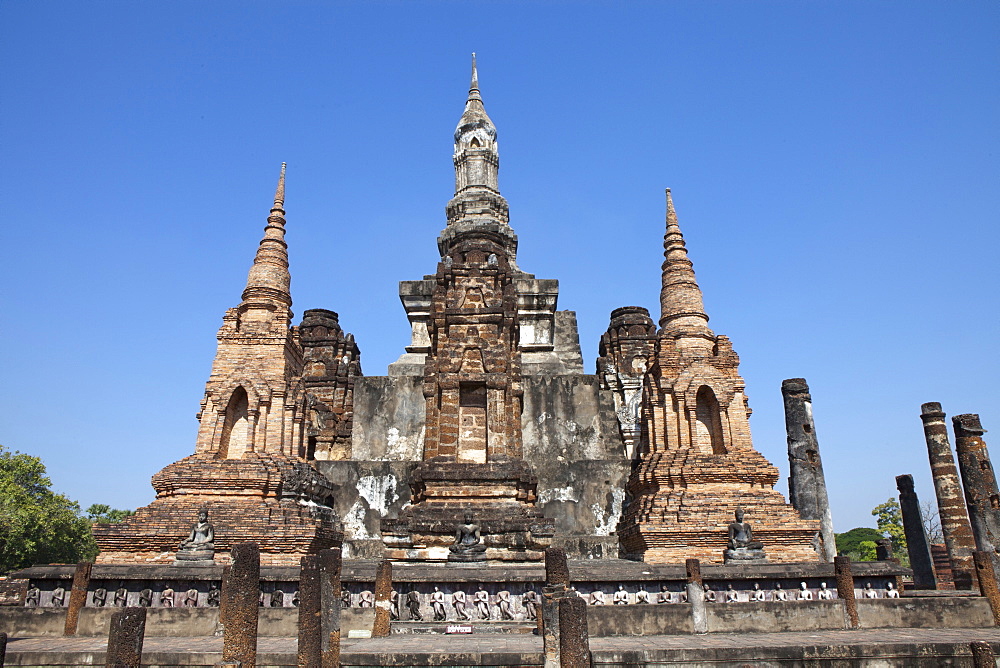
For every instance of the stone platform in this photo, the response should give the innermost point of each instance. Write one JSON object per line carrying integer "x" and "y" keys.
{"x": 883, "y": 647}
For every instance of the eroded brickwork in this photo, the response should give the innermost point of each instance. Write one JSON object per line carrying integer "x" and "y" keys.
{"x": 331, "y": 363}
{"x": 626, "y": 351}
{"x": 698, "y": 464}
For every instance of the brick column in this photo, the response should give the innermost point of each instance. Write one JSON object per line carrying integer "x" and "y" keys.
{"x": 240, "y": 606}
{"x": 845, "y": 589}
{"x": 556, "y": 588}
{"x": 574, "y": 637}
{"x": 982, "y": 654}
{"x": 330, "y": 561}
{"x": 77, "y": 596}
{"x": 951, "y": 501}
{"x": 988, "y": 581}
{"x": 917, "y": 544}
{"x": 125, "y": 636}
{"x": 695, "y": 589}
{"x": 383, "y": 592}
{"x": 980, "y": 483}
{"x": 310, "y": 613}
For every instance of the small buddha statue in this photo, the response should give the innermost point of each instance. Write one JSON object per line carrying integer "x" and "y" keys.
{"x": 741, "y": 535}
{"x": 200, "y": 544}
{"x": 468, "y": 545}
{"x": 740, "y": 545}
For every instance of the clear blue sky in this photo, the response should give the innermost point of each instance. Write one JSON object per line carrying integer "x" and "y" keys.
{"x": 834, "y": 164}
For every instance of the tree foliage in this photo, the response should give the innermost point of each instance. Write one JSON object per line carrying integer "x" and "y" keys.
{"x": 37, "y": 526}
{"x": 850, "y": 542}
{"x": 102, "y": 513}
{"x": 890, "y": 523}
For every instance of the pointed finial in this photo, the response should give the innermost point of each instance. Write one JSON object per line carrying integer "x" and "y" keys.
{"x": 671, "y": 213}
{"x": 279, "y": 193}
{"x": 474, "y": 85}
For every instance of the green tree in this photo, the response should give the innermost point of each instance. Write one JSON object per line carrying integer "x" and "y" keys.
{"x": 849, "y": 543}
{"x": 102, "y": 513}
{"x": 890, "y": 523}
{"x": 37, "y": 526}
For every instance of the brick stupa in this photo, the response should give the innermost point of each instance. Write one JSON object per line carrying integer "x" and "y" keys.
{"x": 251, "y": 468}
{"x": 697, "y": 463}
{"x": 473, "y": 456}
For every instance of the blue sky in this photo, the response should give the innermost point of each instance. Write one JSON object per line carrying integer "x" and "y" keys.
{"x": 834, "y": 165}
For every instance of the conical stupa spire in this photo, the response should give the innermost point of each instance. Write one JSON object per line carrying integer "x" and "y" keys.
{"x": 681, "y": 309}
{"x": 474, "y": 85}
{"x": 269, "y": 280}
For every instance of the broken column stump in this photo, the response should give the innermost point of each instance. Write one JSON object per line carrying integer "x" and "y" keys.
{"x": 239, "y": 610}
{"x": 574, "y": 636}
{"x": 77, "y": 596}
{"x": 310, "y": 613}
{"x": 955, "y": 525}
{"x": 845, "y": 590}
{"x": 556, "y": 588}
{"x": 979, "y": 480}
{"x": 806, "y": 482}
{"x": 383, "y": 592}
{"x": 982, "y": 654}
{"x": 986, "y": 575}
{"x": 330, "y": 562}
{"x": 125, "y": 636}
{"x": 918, "y": 546}
{"x": 695, "y": 589}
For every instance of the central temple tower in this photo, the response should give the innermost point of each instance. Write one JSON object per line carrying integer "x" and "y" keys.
{"x": 472, "y": 455}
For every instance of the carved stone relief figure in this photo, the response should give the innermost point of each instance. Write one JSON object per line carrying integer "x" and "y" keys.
{"x": 504, "y": 605}
{"x": 757, "y": 594}
{"x": 529, "y": 600}
{"x": 459, "y": 602}
{"x": 482, "y": 600}
{"x": 366, "y": 599}
{"x": 621, "y": 596}
{"x": 413, "y": 605}
{"x": 167, "y": 598}
{"x": 191, "y": 598}
{"x": 804, "y": 594}
{"x": 145, "y": 598}
{"x": 437, "y": 605}
{"x": 58, "y": 597}
{"x": 824, "y": 593}
{"x": 100, "y": 598}
{"x": 121, "y": 597}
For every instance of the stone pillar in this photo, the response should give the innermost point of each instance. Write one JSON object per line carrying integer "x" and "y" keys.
{"x": 695, "y": 589}
{"x": 806, "y": 483}
{"x": 3, "y": 648}
{"x": 383, "y": 592}
{"x": 981, "y": 494}
{"x": 574, "y": 637}
{"x": 845, "y": 589}
{"x": 982, "y": 654}
{"x": 77, "y": 596}
{"x": 128, "y": 627}
{"x": 310, "y": 613}
{"x": 951, "y": 502}
{"x": 556, "y": 588}
{"x": 986, "y": 575}
{"x": 240, "y": 606}
{"x": 917, "y": 544}
{"x": 330, "y": 561}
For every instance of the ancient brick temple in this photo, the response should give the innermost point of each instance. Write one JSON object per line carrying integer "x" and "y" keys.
{"x": 264, "y": 413}
{"x": 487, "y": 412}
{"x": 697, "y": 462}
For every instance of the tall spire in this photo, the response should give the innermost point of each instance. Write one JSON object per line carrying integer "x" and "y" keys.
{"x": 474, "y": 85}
{"x": 681, "y": 309}
{"x": 269, "y": 281}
